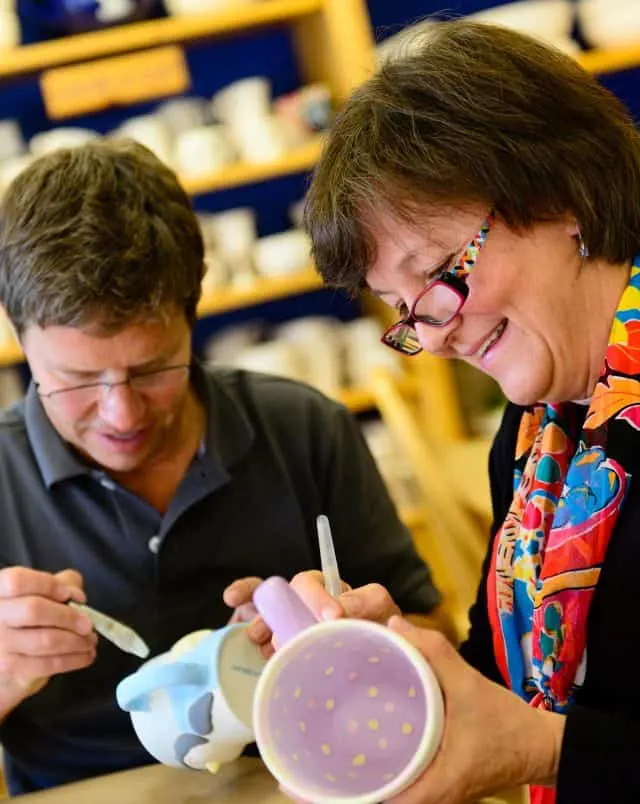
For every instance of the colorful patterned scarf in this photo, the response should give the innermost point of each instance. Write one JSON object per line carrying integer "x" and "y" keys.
{"x": 549, "y": 552}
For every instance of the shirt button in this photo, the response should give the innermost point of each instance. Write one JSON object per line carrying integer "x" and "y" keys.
{"x": 154, "y": 544}
{"x": 107, "y": 484}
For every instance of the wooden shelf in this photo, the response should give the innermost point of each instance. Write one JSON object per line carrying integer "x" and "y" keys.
{"x": 359, "y": 400}
{"x": 610, "y": 60}
{"x": 223, "y": 300}
{"x": 413, "y": 517}
{"x": 297, "y": 161}
{"x": 10, "y": 353}
{"x": 152, "y": 33}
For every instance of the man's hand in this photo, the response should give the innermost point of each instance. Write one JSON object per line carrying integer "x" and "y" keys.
{"x": 40, "y": 635}
{"x": 370, "y": 602}
{"x": 492, "y": 740}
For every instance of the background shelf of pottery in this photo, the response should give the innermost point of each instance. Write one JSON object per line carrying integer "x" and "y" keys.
{"x": 317, "y": 41}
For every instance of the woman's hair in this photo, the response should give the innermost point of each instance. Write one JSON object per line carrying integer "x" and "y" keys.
{"x": 98, "y": 236}
{"x": 475, "y": 114}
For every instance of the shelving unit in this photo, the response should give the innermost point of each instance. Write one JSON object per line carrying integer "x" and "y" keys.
{"x": 297, "y": 161}
{"x": 334, "y": 43}
{"x": 152, "y": 33}
{"x": 610, "y": 60}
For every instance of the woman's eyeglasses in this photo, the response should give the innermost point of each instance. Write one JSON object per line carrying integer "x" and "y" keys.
{"x": 440, "y": 301}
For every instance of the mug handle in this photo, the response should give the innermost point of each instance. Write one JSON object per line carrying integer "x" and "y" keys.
{"x": 132, "y": 692}
{"x": 282, "y": 609}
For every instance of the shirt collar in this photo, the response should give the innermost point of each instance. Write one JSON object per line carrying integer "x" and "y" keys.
{"x": 229, "y": 433}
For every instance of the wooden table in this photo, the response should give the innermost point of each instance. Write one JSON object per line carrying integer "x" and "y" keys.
{"x": 245, "y": 781}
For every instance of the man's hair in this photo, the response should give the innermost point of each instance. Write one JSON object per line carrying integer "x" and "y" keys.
{"x": 99, "y": 236}
{"x": 475, "y": 114}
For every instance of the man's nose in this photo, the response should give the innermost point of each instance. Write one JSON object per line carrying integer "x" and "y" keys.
{"x": 121, "y": 407}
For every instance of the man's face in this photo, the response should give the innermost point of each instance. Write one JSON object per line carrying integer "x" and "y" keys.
{"x": 128, "y": 426}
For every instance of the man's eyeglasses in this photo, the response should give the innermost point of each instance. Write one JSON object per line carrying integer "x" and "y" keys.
{"x": 143, "y": 382}
{"x": 440, "y": 301}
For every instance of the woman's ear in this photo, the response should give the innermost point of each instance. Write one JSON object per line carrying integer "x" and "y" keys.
{"x": 572, "y": 227}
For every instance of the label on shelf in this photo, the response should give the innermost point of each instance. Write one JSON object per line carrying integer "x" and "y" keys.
{"x": 119, "y": 80}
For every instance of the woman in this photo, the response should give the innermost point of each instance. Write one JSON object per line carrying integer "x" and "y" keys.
{"x": 488, "y": 189}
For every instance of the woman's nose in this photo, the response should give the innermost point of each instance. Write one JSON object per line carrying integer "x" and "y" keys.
{"x": 436, "y": 340}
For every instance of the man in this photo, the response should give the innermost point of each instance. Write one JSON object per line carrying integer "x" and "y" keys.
{"x": 135, "y": 479}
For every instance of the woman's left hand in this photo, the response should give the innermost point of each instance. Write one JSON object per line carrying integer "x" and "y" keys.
{"x": 492, "y": 740}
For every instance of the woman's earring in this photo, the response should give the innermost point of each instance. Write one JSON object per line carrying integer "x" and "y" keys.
{"x": 583, "y": 251}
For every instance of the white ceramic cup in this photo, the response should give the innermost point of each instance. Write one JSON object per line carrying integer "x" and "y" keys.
{"x": 234, "y": 231}
{"x": 192, "y": 706}
{"x": 202, "y": 150}
{"x": 9, "y": 29}
{"x": 274, "y": 357}
{"x": 12, "y": 142}
{"x": 62, "y": 137}
{"x": 151, "y": 131}
{"x": 181, "y": 114}
{"x": 243, "y": 101}
{"x": 260, "y": 139}
{"x": 346, "y": 711}
{"x": 364, "y": 353}
{"x": 320, "y": 338}
{"x": 282, "y": 253}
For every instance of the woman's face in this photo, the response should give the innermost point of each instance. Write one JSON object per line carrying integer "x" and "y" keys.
{"x": 537, "y": 317}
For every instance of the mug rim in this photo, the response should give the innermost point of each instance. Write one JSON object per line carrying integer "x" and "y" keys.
{"x": 430, "y": 737}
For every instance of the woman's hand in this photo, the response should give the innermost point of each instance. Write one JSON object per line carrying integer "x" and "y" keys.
{"x": 370, "y": 602}
{"x": 492, "y": 739}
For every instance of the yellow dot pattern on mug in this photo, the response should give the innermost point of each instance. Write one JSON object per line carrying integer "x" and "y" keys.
{"x": 382, "y": 719}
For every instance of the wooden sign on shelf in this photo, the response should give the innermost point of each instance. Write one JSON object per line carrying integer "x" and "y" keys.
{"x": 116, "y": 81}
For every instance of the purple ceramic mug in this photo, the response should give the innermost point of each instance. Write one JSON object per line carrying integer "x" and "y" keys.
{"x": 345, "y": 712}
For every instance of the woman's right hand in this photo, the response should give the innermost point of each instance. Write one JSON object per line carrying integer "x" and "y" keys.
{"x": 40, "y": 635}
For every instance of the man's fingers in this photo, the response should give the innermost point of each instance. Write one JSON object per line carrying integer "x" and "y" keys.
{"x": 71, "y": 579}
{"x": 34, "y": 611}
{"x": 20, "y": 581}
{"x": 41, "y": 642}
{"x": 241, "y": 591}
{"x": 34, "y": 667}
{"x": 259, "y": 632}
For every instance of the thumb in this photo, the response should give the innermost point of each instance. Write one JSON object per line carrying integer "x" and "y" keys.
{"x": 433, "y": 645}
{"x": 74, "y": 582}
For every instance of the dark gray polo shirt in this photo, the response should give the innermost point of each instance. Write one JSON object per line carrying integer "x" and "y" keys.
{"x": 275, "y": 455}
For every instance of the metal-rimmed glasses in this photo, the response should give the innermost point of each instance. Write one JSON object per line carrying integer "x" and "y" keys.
{"x": 441, "y": 299}
{"x": 142, "y": 382}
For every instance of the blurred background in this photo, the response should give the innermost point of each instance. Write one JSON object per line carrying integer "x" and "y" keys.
{"x": 235, "y": 96}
